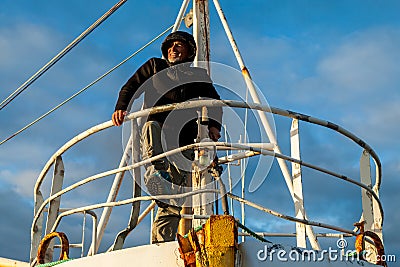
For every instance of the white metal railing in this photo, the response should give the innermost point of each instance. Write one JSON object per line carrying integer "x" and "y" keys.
{"x": 250, "y": 149}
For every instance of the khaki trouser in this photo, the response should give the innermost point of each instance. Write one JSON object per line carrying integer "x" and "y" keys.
{"x": 167, "y": 219}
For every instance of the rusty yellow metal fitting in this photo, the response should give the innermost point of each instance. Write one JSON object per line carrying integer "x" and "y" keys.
{"x": 221, "y": 240}
{"x": 186, "y": 250}
{"x": 44, "y": 244}
{"x": 214, "y": 245}
{"x": 360, "y": 243}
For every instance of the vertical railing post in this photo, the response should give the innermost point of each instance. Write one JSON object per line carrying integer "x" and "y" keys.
{"x": 36, "y": 231}
{"x": 365, "y": 175}
{"x": 202, "y": 204}
{"x": 297, "y": 184}
{"x": 54, "y": 206}
{"x": 370, "y": 210}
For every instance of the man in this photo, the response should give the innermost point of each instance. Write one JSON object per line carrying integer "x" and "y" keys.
{"x": 167, "y": 81}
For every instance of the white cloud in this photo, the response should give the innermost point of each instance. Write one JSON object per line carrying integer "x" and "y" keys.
{"x": 23, "y": 49}
{"x": 354, "y": 71}
{"x": 22, "y": 182}
{"x": 363, "y": 63}
{"x": 21, "y": 163}
{"x": 377, "y": 123}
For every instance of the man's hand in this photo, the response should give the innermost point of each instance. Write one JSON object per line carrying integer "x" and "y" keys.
{"x": 118, "y": 117}
{"x": 214, "y": 134}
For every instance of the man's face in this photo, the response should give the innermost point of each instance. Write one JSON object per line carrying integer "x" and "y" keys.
{"x": 178, "y": 52}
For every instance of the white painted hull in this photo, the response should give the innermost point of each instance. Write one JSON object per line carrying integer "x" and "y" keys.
{"x": 167, "y": 254}
{"x": 164, "y": 254}
{"x": 253, "y": 253}
{"x": 12, "y": 263}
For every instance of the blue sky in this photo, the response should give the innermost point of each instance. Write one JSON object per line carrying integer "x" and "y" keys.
{"x": 336, "y": 60}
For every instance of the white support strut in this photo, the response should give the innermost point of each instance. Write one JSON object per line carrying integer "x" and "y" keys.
{"x": 297, "y": 184}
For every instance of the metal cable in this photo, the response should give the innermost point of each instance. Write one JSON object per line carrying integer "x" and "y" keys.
{"x": 55, "y": 59}
{"x": 86, "y": 87}
{"x": 290, "y": 218}
{"x": 252, "y": 233}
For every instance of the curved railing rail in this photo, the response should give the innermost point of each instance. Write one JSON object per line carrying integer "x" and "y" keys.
{"x": 267, "y": 150}
{"x": 215, "y": 103}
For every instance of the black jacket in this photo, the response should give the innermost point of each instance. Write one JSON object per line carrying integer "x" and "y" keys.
{"x": 172, "y": 84}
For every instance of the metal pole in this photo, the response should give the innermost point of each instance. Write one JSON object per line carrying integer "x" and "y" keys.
{"x": 242, "y": 176}
{"x": 146, "y": 211}
{"x": 180, "y": 16}
{"x": 111, "y": 197}
{"x": 201, "y": 32}
{"x": 229, "y": 172}
{"x": 83, "y": 232}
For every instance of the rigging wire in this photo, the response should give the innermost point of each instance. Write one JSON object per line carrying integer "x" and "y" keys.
{"x": 55, "y": 59}
{"x": 243, "y": 161}
{"x": 87, "y": 86}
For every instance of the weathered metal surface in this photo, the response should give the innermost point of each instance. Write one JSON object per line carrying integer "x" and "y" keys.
{"x": 201, "y": 33}
{"x": 202, "y": 204}
{"x": 37, "y": 225}
{"x": 186, "y": 225}
{"x": 375, "y": 250}
{"x": 216, "y": 103}
{"x": 371, "y": 215}
{"x": 189, "y": 19}
{"x": 297, "y": 184}
{"x": 216, "y": 173}
{"x": 290, "y": 218}
{"x": 215, "y": 244}
{"x": 188, "y": 255}
{"x": 54, "y": 206}
{"x": 44, "y": 244}
{"x": 365, "y": 175}
{"x": 92, "y": 178}
{"x": 220, "y": 234}
{"x": 378, "y": 213}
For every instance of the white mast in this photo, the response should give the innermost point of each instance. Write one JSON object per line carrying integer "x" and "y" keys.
{"x": 203, "y": 204}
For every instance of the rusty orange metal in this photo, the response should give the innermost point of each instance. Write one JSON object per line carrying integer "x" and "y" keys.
{"x": 360, "y": 243}
{"x": 214, "y": 245}
{"x": 44, "y": 244}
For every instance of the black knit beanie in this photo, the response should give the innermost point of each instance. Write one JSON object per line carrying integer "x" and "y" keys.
{"x": 183, "y": 37}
